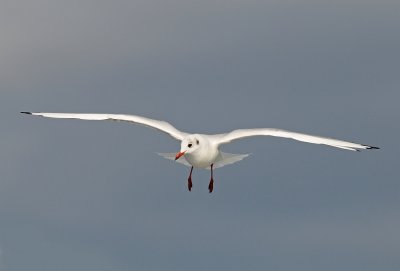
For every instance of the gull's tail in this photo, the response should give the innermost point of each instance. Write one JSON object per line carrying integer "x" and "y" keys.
{"x": 223, "y": 160}
{"x": 171, "y": 156}
{"x": 228, "y": 158}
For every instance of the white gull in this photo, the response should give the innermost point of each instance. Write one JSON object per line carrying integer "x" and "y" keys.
{"x": 203, "y": 151}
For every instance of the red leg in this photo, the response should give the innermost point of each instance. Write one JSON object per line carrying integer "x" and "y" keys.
{"x": 211, "y": 184}
{"x": 190, "y": 180}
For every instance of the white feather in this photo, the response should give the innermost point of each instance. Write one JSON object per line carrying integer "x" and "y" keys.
{"x": 157, "y": 124}
{"x": 243, "y": 133}
{"x": 171, "y": 156}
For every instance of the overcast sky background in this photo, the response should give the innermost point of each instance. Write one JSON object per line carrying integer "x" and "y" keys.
{"x": 78, "y": 195}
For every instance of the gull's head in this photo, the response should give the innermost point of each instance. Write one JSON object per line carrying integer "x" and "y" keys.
{"x": 189, "y": 144}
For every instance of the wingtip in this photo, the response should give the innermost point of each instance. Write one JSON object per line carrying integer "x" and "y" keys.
{"x": 372, "y": 148}
{"x": 26, "y": 112}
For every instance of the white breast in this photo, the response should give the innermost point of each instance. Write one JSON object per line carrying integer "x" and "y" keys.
{"x": 204, "y": 156}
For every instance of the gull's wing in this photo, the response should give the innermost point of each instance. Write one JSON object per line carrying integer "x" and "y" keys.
{"x": 157, "y": 124}
{"x": 242, "y": 133}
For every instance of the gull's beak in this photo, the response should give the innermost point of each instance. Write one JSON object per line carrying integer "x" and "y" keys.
{"x": 178, "y": 155}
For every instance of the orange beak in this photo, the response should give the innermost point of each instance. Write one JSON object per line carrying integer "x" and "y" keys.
{"x": 178, "y": 155}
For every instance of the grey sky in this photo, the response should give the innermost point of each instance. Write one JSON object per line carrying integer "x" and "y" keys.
{"x": 78, "y": 195}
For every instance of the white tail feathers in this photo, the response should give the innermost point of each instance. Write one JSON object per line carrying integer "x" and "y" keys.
{"x": 229, "y": 158}
{"x": 223, "y": 160}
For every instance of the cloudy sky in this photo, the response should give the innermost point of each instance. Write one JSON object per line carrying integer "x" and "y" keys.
{"x": 78, "y": 195}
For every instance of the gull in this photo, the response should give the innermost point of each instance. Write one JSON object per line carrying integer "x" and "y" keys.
{"x": 203, "y": 150}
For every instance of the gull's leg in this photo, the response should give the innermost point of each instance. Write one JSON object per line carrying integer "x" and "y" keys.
{"x": 211, "y": 184}
{"x": 190, "y": 180}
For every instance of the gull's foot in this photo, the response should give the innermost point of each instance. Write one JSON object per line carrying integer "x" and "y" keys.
{"x": 190, "y": 184}
{"x": 211, "y": 185}
{"x": 190, "y": 179}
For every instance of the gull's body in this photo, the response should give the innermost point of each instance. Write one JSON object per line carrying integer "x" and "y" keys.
{"x": 203, "y": 151}
{"x": 206, "y": 155}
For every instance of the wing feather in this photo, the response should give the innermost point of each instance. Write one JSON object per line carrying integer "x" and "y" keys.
{"x": 157, "y": 124}
{"x": 243, "y": 133}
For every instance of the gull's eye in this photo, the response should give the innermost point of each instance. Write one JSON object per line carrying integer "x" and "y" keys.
{"x": 190, "y": 145}
{"x": 197, "y": 141}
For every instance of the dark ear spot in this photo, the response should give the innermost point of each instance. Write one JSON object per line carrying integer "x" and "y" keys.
{"x": 197, "y": 141}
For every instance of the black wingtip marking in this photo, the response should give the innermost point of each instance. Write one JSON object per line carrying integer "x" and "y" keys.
{"x": 372, "y": 147}
{"x": 25, "y": 112}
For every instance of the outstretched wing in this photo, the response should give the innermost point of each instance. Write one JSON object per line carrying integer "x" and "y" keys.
{"x": 157, "y": 124}
{"x": 242, "y": 133}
